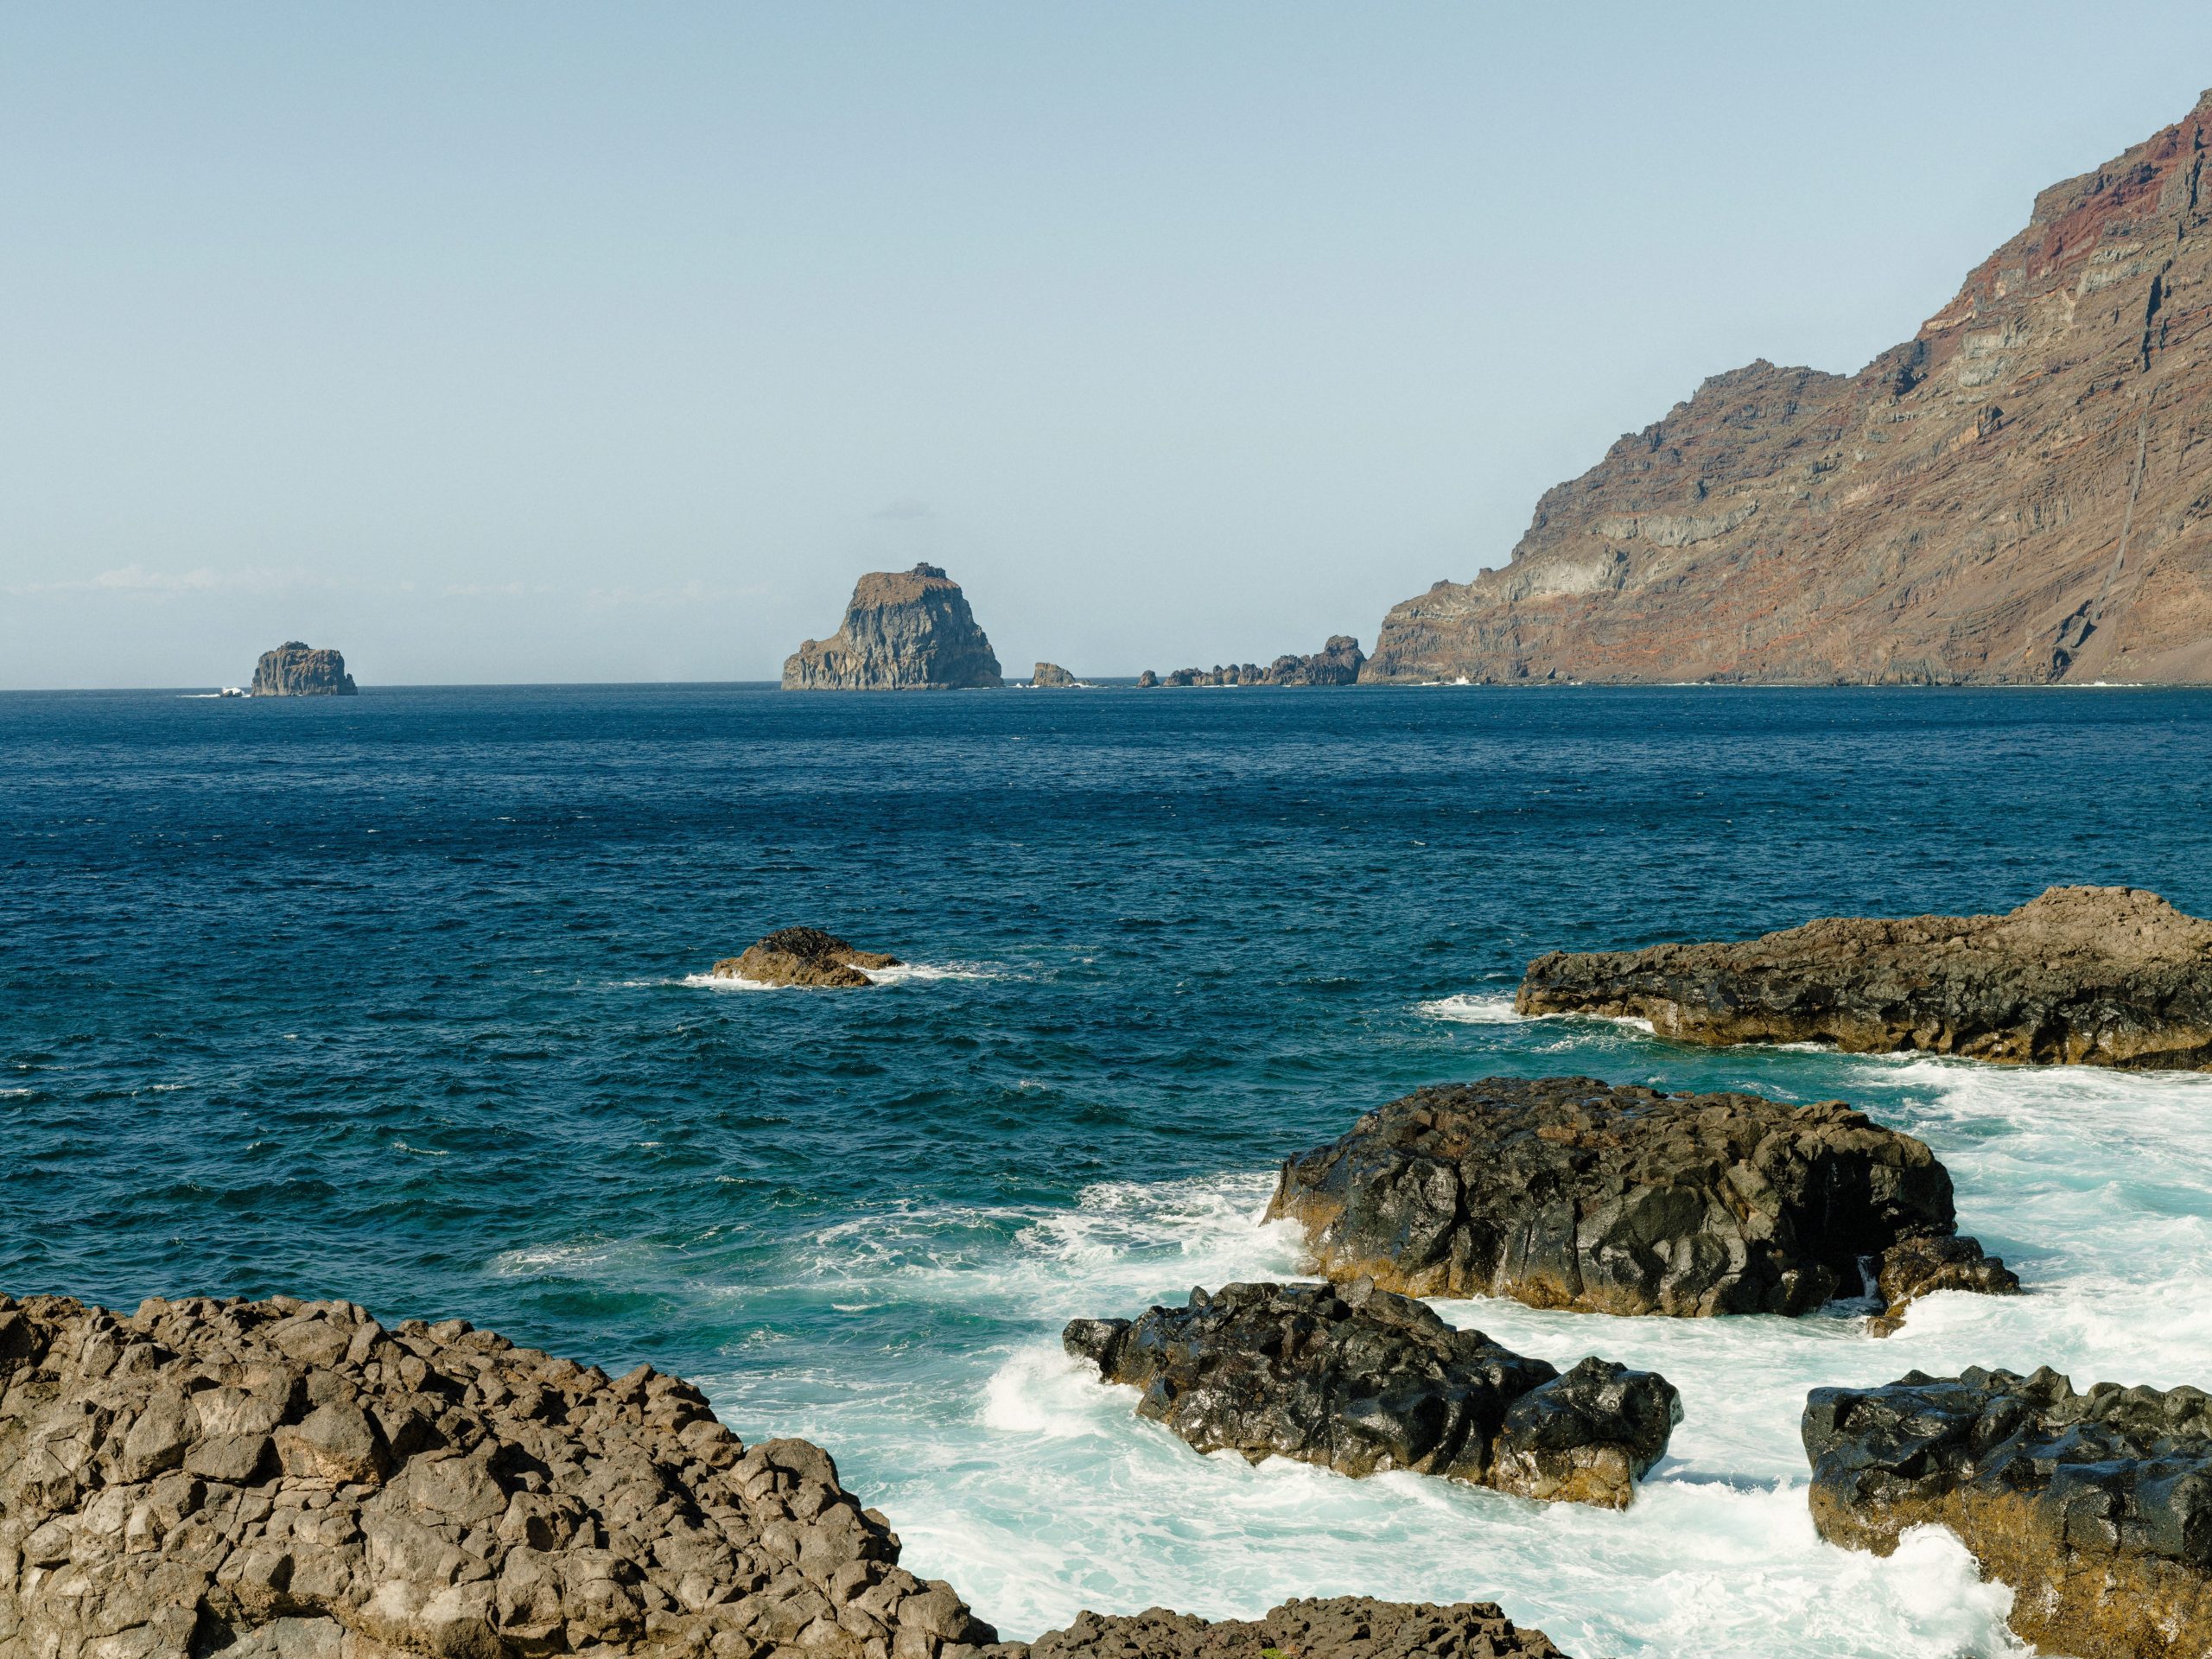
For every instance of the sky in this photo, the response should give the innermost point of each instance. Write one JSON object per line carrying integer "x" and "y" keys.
{"x": 556, "y": 343}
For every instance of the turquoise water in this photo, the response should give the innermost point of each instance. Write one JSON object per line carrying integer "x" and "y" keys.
{"x": 396, "y": 999}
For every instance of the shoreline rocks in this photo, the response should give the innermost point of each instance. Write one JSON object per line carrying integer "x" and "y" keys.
{"x": 2078, "y": 977}
{"x": 1571, "y": 1192}
{"x": 804, "y": 955}
{"x": 1338, "y": 1627}
{"x": 2096, "y": 1508}
{"x": 1361, "y": 1381}
{"x": 1051, "y": 674}
{"x": 903, "y": 631}
{"x": 1338, "y": 663}
{"x": 295, "y": 670}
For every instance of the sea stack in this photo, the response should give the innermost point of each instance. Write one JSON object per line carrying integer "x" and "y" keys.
{"x": 804, "y": 955}
{"x": 903, "y": 630}
{"x": 294, "y": 670}
{"x": 1051, "y": 674}
{"x": 2079, "y": 976}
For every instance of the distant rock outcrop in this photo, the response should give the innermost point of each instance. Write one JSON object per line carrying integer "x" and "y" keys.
{"x": 1051, "y": 674}
{"x": 2015, "y": 494}
{"x": 294, "y": 670}
{"x": 903, "y": 630}
{"x": 2096, "y": 1509}
{"x": 1569, "y": 1192}
{"x": 1338, "y": 663}
{"x": 804, "y": 955}
{"x": 1361, "y": 1381}
{"x": 2079, "y": 976}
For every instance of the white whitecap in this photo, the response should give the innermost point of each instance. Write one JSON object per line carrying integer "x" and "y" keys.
{"x": 1468, "y": 1010}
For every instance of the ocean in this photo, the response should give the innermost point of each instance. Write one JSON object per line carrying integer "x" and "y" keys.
{"x": 400, "y": 999}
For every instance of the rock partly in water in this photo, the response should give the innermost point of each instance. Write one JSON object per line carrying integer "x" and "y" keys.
{"x": 804, "y": 955}
{"x": 1570, "y": 1192}
{"x": 1051, "y": 674}
{"x": 291, "y": 1480}
{"x": 1338, "y": 1627}
{"x": 903, "y": 630}
{"x": 294, "y": 670}
{"x": 1361, "y": 1381}
{"x": 1146, "y": 680}
{"x": 2096, "y": 1509}
{"x": 1338, "y": 663}
{"x": 2079, "y": 976}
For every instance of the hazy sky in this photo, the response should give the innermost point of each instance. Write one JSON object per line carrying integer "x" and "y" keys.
{"x": 543, "y": 342}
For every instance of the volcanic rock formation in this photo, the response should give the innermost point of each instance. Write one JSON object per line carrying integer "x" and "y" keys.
{"x": 903, "y": 630}
{"x": 1338, "y": 663}
{"x": 2019, "y": 493}
{"x": 1051, "y": 674}
{"x": 294, "y": 670}
{"x": 1569, "y": 1192}
{"x": 802, "y": 956}
{"x": 1362, "y": 1381}
{"x": 2096, "y": 1508}
{"x": 2079, "y": 976}
{"x": 291, "y": 1480}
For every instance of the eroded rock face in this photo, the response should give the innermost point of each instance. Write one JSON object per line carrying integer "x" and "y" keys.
{"x": 1340, "y": 1627}
{"x": 2096, "y": 1508}
{"x": 1051, "y": 674}
{"x": 1338, "y": 663}
{"x": 2015, "y": 494}
{"x": 1570, "y": 1192}
{"x": 903, "y": 630}
{"x": 294, "y": 670}
{"x": 804, "y": 955}
{"x": 2079, "y": 976}
{"x": 1361, "y": 1381}
{"x": 292, "y": 1480}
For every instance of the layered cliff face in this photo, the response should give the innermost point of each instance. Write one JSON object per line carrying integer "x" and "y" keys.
{"x": 909, "y": 630}
{"x": 2020, "y": 493}
{"x": 294, "y": 670}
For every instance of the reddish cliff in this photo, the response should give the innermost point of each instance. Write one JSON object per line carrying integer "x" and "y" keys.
{"x": 2021, "y": 492}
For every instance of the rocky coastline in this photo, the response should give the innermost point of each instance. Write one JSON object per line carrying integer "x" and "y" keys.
{"x": 295, "y": 670}
{"x": 1338, "y": 663}
{"x": 1570, "y": 1192}
{"x": 2079, "y": 976}
{"x": 903, "y": 631}
{"x": 2096, "y": 1508}
{"x": 1361, "y": 1381}
{"x": 804, "y": 955}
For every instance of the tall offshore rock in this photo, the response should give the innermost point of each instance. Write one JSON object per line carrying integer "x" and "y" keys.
{"x": 2022, "y": 492}
{"x": 294, "y": 670}
{"x": 905, "y": 631}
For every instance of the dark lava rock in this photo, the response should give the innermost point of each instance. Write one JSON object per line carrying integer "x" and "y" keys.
{"x": 1340, "y": 1627}
{"x": 2079, "y": 976}
{"x": 1338, "y": 663}
{"x": 903, "y": 631}
{"x": 1362, "y": 1381}
{"x": 294, "y": 670}
{"x": 1570, "y": 1192}
{"x": 2096, "y": 1508}
{"x": 804, "y": 955}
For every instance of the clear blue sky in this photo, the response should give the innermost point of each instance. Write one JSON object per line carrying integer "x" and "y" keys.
{"x": 506, "y": 342}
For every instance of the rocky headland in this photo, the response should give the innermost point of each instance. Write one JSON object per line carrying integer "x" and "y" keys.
{"x": 294, "y": 670}
{"x": 804, "y": 955}
{"x": 1338, "y": 663}
{"x": 903, "y": 630}
{"x": 1570, "y": 1192}
{"x": 2078, "y": 977}
{"x": 293, "y": 1480}
{"x": 1361, "y": 1381}
{"x": 2016, "y": 494}
{"x": 2096, "y": 1509}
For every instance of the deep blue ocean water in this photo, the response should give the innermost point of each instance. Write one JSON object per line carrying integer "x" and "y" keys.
{"x": 394, "y": 999}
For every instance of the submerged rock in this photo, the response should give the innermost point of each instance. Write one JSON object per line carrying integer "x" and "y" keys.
{"x": 2079, "y": 976}
{"x": 802, "y": 956}
{"x": 903, "y": 630}
{"x": 1570, "y": 1192}
{"x": 1339, "y": 1627}
{"x": 294, "y": 670}
{"x": 2096, "y": 1509}
{"x": 1362, "y": 1381}
{"x": 1051, "y": 674}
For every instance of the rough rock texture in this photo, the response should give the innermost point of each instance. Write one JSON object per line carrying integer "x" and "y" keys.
{"x": 903, "y": 630}
{"x": 802, "y": 956}
{"x": 293, "y": 1481}
{"x": 1569, "y": 1192}
{"x": 297, "y": 671}
{"x": 1362, "y": 1381}
{"x": 1051, "y": 674}
{"x": 2019, "y": 493}
{"x": 2079, "y": 976}
{"x": 2096, "y": 1508}
{"x": 1341, "y": 1627}
{"x": 1338, "y": 663}
{"x": 1146, "y": 680}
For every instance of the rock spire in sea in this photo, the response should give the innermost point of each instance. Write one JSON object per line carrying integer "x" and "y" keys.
{"x": 295, "y": 670}
{"x": 903, "y": 630}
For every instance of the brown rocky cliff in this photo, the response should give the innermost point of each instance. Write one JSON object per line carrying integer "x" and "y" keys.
{"x": 2020, "y": 493}
{"x": 905, "y": 630}
{"x": 295, "y": 670}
